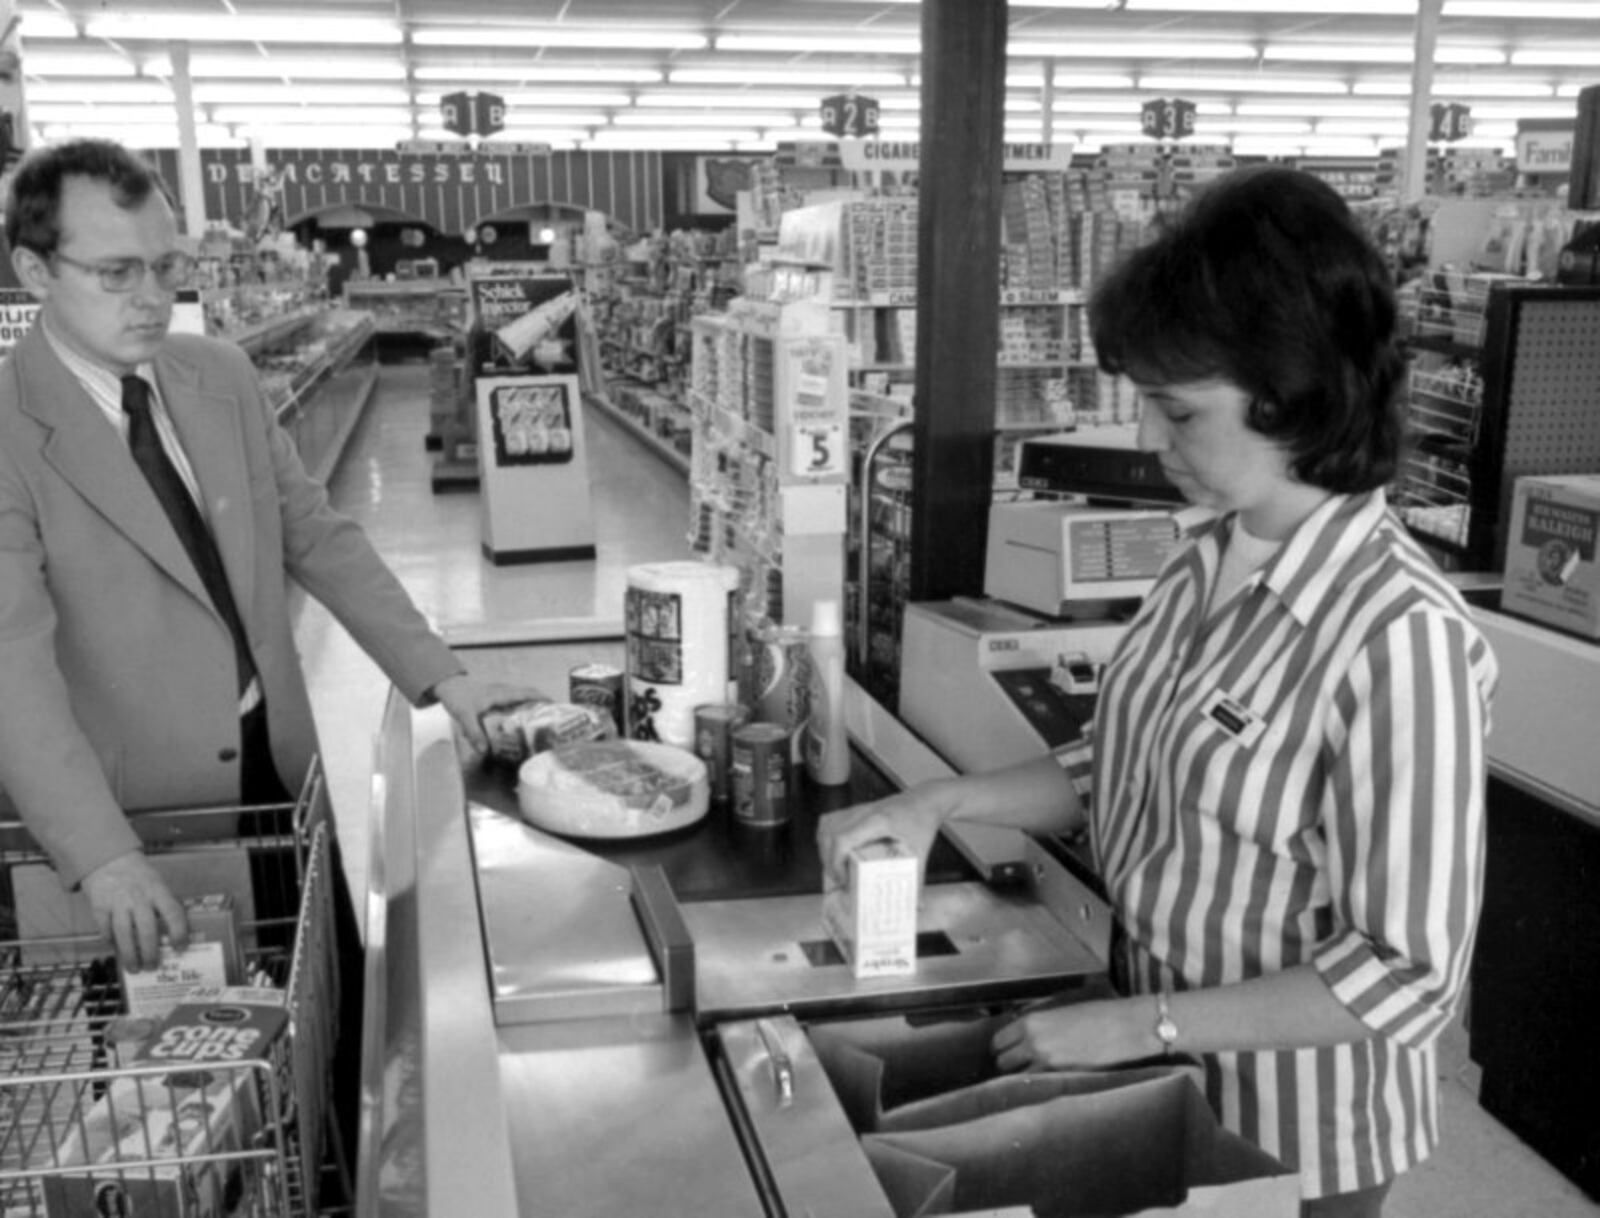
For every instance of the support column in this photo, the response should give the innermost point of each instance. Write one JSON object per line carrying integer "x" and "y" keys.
{"x": 958, "y": 292}
{"x": 1414, "y": 181}
{"x": 191, "y": 179}
{"x": 13, "y": 117}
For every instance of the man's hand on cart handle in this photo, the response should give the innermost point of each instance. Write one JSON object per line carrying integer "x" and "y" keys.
{"x": 133, "y": 907}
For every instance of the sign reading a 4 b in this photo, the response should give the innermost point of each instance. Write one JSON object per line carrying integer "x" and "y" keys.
{"x": 1452, "y": 121}
{"x": 1167, "y": 119}
{"x": 473, "y": 113}
{"x": 849, "y": 114}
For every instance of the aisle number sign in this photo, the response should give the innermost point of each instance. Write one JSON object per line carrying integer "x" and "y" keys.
{"x": 1449, "y": 121}
{"x": 473, "y": 113}
{"x": 849, "y": 115}
{"x": 1167, "y": 118}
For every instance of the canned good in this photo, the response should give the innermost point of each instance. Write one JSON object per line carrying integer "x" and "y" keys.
{"x": 599, "y": 686}
{"x": 763, "y": 774}
{"x": 782, "y": 673}
{"x": 714, "y": 725}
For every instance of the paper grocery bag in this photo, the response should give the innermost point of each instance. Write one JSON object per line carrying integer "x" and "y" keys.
{"x": 1105, "y": 1152}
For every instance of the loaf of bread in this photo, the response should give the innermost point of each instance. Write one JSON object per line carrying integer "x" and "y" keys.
{"x": 613, "y": 788}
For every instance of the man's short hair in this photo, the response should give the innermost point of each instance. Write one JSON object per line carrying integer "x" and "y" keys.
{"x": 33, "y": 204}
{"x": 1267, "y": 280}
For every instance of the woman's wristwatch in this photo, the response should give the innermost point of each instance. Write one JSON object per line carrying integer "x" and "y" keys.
{"x": 1166, "y": 1029}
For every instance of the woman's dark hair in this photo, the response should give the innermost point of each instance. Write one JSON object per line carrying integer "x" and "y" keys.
{"x": 33, "y": 206}
{"x": 1266, "y": 280}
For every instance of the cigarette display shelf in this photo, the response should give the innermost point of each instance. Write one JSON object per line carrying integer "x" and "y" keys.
{"x": 318, "y": 376}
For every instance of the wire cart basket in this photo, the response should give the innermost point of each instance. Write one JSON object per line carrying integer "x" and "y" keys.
{"x": 86, "y": 1128}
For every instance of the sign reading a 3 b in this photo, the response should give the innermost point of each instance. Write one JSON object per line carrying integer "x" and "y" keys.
{"x": 850, "y": 114}
{"x": 1167, "y": 118}
{"x": 473, "y": 113}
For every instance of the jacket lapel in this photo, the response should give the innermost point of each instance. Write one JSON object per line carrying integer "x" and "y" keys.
{"x": 89, "y": 454}
{"x": 208, "y": 426}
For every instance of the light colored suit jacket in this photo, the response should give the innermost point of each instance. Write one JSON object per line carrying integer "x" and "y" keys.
{"x": 117, "y": 681}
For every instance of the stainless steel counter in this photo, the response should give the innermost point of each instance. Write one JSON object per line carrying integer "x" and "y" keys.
{"x": 520, "y": 1057}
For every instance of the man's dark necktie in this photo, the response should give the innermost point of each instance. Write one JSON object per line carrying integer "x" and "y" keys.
{"x": 145, "y": 443}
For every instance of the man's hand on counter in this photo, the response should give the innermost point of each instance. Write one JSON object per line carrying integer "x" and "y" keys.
{"x": 467, "y": 699}
{"x": 132, "y": 905}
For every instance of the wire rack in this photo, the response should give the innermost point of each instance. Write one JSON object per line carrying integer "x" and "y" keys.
{"x": 86, "y": 1127}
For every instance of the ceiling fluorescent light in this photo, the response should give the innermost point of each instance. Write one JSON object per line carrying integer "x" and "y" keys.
{"x": 120, "y": 91}
{"x": 342, "y": 67}
{"x": 1571, "y": 57}
{"x": 1379, "y": 52}
{"x": 47, "y": 25}
{"x": 682, "y": 141}
{"x": 1452, "y": 88}
{"x": 230, "y": 27}
{"x": 1127, "y": 106}
{"x": 264, "y": 92}
{"x": 114, "y": 112}
{"x": 842, "y": 76}
{"x": 732, "y": 100}
{"x": 1389, "y": 129}
{"x": 1068, "y": 77}
{"x": 1376, "y": 110}
{"x": 806, "y": 44}
{"x": 755, "y": 146}
{"x": 327, "y": 136}
{"x": 1243, "y": 84}
{"x": 1253, "y": 126}
{"x": 136, "y": 137}
{"x": 1348, "y": 8}
{"x": 619, "y": 37}
{"x": 1527, "y": 10}
{"x": 85, "y": 63}
{"x": 1130, "y": 49}
{"x": 524, "y": 73}
{"x": 310, "y": 114}
{"x": 704, "y": 118}
{"x": 540, "y": 99}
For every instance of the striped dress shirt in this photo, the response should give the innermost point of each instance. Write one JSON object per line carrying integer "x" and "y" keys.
{"x": 1297, "y": 777}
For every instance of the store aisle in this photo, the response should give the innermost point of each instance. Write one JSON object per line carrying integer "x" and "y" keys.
{"x": 641, "y": 515}
{"x": 431, "y": 541}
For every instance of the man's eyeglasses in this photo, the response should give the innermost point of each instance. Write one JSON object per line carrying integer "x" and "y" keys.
{"x": 172, "y": 271}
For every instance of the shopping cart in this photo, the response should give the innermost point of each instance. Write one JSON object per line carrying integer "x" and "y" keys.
{"x": 244, "y": 1139}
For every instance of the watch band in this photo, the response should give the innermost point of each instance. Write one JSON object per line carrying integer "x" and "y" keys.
{"x": 1166, "y": 1028}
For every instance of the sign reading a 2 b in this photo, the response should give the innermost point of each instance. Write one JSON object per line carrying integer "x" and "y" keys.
{"x": 1167, "y": 118}
{"x": 850, "y": 115}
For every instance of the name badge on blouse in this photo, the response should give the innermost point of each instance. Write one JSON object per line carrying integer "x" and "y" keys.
{"x": 1233, "y": 717}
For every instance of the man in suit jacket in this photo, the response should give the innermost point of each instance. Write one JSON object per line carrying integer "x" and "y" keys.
{"x": 122, "y": 685}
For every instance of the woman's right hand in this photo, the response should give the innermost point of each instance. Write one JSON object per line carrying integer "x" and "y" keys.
{"x": 913, "y": 816}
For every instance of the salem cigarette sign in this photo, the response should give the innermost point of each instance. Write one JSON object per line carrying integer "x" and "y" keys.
{"x": 1544, "y": 149}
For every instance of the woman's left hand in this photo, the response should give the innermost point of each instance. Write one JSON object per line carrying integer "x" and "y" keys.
{"x": 1078, "y": 1035}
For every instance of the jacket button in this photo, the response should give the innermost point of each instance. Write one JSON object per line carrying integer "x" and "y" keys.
{"x": 228, "y": 755}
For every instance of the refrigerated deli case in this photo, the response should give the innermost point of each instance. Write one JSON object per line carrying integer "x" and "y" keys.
{"x": 565, "y": 1029}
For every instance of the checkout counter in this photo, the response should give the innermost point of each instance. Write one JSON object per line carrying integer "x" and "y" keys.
{"x": 609, "y": 1028}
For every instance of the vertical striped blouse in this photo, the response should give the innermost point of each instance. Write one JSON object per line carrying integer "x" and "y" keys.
{"x": 1298, "y": 777}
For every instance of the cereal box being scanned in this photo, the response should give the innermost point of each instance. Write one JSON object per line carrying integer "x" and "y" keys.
{"x": 872, "y": 917}
{"x": 1552, "y": 575}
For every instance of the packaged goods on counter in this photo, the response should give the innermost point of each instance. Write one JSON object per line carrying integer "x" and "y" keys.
{"x": 601, "y": 686}
{"x": 761, "y": 769}
{"x": 714, "y": 725}
{"x": 213, "y": 958}
{"x": 681, "y": 619}
{"x": 826, "y": 745}
{"x": 519, "y": 730}
{"x": 613, "y": 789}
{"x": 1552, "y": 569}
{"x": 781, "y": 673}
{"x": 872, "y": 916}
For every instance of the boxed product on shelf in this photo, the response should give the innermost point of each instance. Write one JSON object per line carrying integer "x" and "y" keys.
{"x": 1552, "y": 574}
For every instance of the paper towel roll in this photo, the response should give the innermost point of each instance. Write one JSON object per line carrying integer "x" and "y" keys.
{"x": 680, "y": 618}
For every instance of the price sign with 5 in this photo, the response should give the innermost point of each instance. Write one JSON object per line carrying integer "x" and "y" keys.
{"x": 818, "y": 450}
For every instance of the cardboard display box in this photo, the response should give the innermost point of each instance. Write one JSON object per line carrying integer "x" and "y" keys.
{"x": 1552, "y": 574}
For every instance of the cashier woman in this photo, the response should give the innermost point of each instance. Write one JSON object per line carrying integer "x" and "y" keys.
{"x": 1283, "y": 786}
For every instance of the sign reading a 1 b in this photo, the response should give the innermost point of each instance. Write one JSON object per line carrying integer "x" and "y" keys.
{"x": 1167, "y": 119}
{"x": 850, "y": 114}
{"x": 473, "y": 113}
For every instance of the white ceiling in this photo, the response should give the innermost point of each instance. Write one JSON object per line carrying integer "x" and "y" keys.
{"x": 1316, "y": 75}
